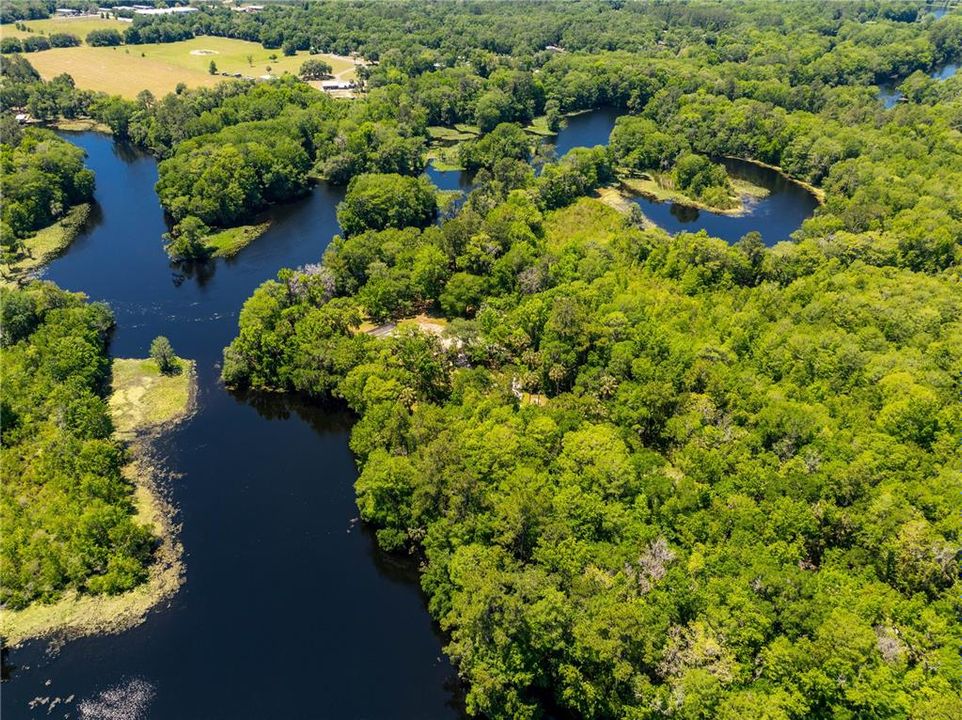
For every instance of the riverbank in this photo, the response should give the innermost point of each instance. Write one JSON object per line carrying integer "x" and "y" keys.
{"x": 142, "y": 405}
{"x": 79, "y": 125}
{"x": 816, "y": 192}
{"x": 44, "y": 245}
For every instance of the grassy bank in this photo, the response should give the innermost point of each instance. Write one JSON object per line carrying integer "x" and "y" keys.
{"x": 231, "y": 241}
{"x": 80, "y": 125}
{"x": 816, "y": 191}
{"x": 444, "y": 159}
{"x": 142, "y": 399}
{"x": 142, "y": 402}
{"x": 46, "y": 244}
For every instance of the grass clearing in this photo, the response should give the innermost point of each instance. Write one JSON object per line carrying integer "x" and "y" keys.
{"x": 439, "y": 133}
{"x": 144, "y": 399}
{"x": 79, "y": 125}
{"x": 46, "y": 244}
{"x": 231, "y": 241}
{"x": 159, "y": 67}
{"x": 589, "y": 220}
{"x": 444, "y": 159}
{"x": 539, "y": 126}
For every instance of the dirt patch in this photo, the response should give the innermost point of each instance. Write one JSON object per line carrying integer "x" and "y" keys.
{"x": 204, "y": 52}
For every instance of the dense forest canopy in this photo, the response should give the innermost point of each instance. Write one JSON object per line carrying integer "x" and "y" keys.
{"x": 66, "y": 510}
{"x": 41, "y": 177}
{"x": 655, "y": 476}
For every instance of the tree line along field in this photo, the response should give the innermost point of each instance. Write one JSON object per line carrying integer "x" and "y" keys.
{"x": 78, "y": 26}
{"x": 159, "y": 67}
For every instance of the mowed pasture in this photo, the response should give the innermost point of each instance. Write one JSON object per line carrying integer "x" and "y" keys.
{"x": 159, "y": 67}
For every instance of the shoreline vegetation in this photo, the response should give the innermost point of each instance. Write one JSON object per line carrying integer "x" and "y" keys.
{"x": 143, "y": 404}
{"x": 816, "y": 191}
{"x": 79, "y": 125}
{"x": 46, "y": 244}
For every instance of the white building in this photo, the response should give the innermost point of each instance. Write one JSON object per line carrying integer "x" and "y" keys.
{"x": 337, "y": 85}
{"x": 165, "y": 11}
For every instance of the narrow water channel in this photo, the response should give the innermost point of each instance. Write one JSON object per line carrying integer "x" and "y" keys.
{"x": 776, "y": 216}
{"x": 289, "y": 609}
{"x": 890, "y": 95}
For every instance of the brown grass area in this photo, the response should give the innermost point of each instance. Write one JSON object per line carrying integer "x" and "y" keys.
{"x": 159, "y": 67}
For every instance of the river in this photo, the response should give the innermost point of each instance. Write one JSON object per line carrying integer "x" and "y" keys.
{"x": 289, "y": 609}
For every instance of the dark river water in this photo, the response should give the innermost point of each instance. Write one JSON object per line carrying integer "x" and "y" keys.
{"x": 890, "y": 95}
{"x": 289, "y": 609}
{"x": 775, "y": 216}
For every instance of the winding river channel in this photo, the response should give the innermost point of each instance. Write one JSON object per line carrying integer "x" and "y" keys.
{"x": 289, "y": 610}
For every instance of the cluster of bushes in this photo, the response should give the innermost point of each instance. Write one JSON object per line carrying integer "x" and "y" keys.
{"x": 66, "y": 509}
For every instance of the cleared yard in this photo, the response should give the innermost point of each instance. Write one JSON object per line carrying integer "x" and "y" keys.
{"x": 158, "y": 67}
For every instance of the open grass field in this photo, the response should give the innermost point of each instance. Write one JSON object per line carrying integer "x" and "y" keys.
{"x": 78, "y": 26}
{"x": 158, "y": 67}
